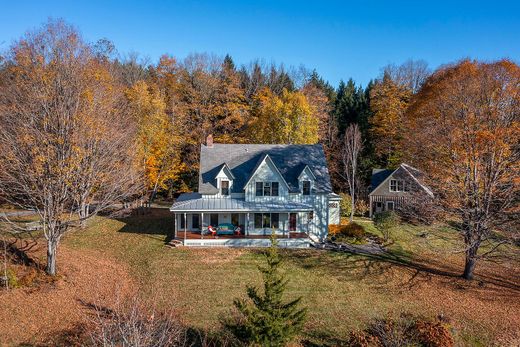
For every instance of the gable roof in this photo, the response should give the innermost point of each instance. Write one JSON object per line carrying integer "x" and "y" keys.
{"x": 309, "y": 170}
{"x": 379, "y": 176}
{"x": 263, "y": 159}
{"x": 227, "y": 171}
{"x": 243, "y": 159}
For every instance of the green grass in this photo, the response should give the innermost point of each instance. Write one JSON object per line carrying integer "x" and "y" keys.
{"x": 342, "y": 291}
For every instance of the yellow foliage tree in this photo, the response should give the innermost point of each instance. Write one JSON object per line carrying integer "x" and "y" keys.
{"x": 286, "y": 119}
{"x": 157, "y": 138}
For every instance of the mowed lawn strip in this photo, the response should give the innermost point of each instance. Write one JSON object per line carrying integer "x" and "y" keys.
{"x": 342, "y": 291}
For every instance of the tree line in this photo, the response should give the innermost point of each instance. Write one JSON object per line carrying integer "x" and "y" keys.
{"x": 83, "y": 128}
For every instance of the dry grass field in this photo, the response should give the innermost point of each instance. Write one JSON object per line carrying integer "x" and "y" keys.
{"x": 343, "y": 292}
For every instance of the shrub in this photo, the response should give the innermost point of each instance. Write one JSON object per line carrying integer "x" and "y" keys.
{"x": 406, "y": 330}
{"x": 12, "y": 279}
{"x": 361, "y": 208}
{"x": 385, "y": 221}
{"x": 348, "y": 230}
{"x": 345, "y": 204}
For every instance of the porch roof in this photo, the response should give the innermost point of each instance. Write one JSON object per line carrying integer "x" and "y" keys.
{"x": 199, "y": 204}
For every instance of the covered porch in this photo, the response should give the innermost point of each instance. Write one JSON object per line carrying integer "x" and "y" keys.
{"x": 239, "y": 222}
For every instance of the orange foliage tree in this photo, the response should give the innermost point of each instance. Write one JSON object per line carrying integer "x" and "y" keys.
{"x": 388, "y": 103}
{"x": 463, "y": 130}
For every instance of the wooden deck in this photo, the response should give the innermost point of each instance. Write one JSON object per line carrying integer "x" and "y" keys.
{"x": 195, "y": 235}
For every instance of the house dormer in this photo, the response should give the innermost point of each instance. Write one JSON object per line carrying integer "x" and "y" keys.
{"x": 224, "y": 180}
{"x": 306, "y": 181}
{"x": 266, "y": 181}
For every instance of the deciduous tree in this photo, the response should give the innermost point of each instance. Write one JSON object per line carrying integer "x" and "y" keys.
{"x": 63, "y": 137}
{"x": 464, "y": 132}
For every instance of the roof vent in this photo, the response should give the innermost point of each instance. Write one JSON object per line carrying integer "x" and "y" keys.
{"x": 209, "y": 141}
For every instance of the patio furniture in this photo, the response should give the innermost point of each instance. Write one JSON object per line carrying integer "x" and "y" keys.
{"x": 226, "y": 229}
{"x": 212, "y": 231}
{"x": 238, "y": 231}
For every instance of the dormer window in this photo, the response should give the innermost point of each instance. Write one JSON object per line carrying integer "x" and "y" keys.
{"x": 224, "y": 187}
{"x": 306, "y": 187}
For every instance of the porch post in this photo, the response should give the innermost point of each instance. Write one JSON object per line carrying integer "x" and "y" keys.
{"x": 201, "y": 225}
{"x": 175, "y": 226}
{"x": 185, "y": 227}
{"x": 288, "y": 225}
{"x": 370, "y": 210}
{"x": 247, "y": 224}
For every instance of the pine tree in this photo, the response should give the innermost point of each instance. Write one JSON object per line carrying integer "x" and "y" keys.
{"x": 265, "y": 319}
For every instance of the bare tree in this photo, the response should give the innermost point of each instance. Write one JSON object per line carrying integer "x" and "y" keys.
{"x": 64, "y": 141}
{"x": 352, "y": 146}
{"x": 134, "y": 323}
{"x": 411, "y": 74}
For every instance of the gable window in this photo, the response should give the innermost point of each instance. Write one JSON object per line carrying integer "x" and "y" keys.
{"x": 267, "y": 189}
{"x": 224, "y": 187}
{"x": 306, "y": 187}
{"x": 274, "y": 188}
{"x": 259, "y": 188}
{"x": 396, "y": 185}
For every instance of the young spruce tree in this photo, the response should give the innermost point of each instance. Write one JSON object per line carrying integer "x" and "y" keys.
{"x": 265, "y": 319}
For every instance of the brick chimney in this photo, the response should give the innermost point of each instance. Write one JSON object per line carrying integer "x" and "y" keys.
{"x": 209, "y": 141}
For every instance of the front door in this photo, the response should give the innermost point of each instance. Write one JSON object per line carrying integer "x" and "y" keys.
{"x": 292, "y": 221}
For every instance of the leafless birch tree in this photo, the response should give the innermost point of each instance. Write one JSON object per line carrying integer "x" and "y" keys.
{"x": 352, "y": 146}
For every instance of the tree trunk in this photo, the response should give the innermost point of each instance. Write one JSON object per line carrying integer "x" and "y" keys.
{"x": 84, "y": 212}
{"x": 52, "y": 246}
{"x": 352, "y": 207}
{"x": 471, "y": 261}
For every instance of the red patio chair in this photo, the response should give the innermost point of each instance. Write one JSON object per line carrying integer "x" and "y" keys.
{"x": 212, "y": 231}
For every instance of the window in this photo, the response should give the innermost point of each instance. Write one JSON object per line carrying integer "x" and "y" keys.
{"x": 234, "y": 219}
{"x": 306, "y": 187}
{"x": 183, "y": 221}
{"x": 267, "y": 220}
{"x": 310, "y": 216}
{"x": 396, "y": 185}
{"x": 195, "y": 221}
{"x": 213, "y": 219}
{"x": 274, "y": 186}
{"x": 224, "y": 187}
{"x": 258, "y": 220}
{"x": 267, "y": 188}
{"x": 275, "y": 220}
{"x": 390, "y": 205}
{"x": 259, "y": 188}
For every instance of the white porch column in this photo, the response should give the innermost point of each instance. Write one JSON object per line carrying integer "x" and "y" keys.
{"x": 185, "y": 226}
{"x": 288, "y": 225}
{"x": 201, "y": 225}
{"x": 370, "y": 210}
{"x": 247, "y": 224}
{"x": 175, "y": 225}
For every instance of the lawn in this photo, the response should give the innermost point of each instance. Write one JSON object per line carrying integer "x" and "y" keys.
{"x": 342, "y": 291}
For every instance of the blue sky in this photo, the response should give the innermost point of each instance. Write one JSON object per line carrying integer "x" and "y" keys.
{"x": 340, "y": 39}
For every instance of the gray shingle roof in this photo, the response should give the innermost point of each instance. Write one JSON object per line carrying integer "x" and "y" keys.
{"x": 378, "y": 176}
{"x": 242, "y": 160}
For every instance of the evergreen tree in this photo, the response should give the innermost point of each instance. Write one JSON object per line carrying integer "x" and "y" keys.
{"x": 265, "y": 319}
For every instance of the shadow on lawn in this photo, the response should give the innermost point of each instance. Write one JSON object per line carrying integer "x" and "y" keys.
{"x": 351, "y": 266}
{"x": 155, "y": 222}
